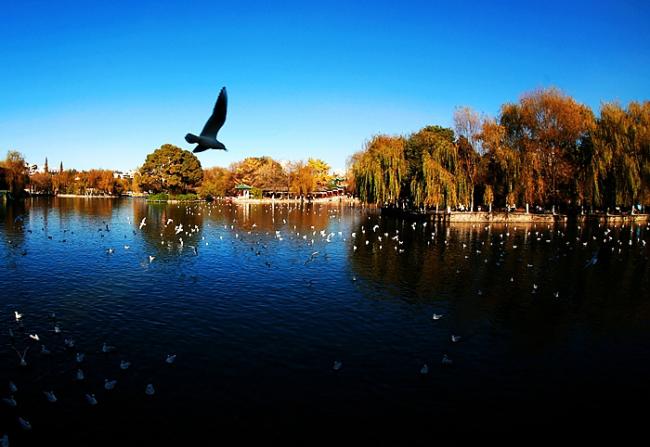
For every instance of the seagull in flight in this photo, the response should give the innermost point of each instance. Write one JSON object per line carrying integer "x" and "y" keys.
{"x": 208, "y": 137}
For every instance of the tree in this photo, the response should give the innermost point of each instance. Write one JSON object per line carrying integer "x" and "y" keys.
{"x": 270, "y": 175}
{"x": 170, "y": 169}
{"x": 46, "y": 168}
{"x": 16, "y": 172}
{"x": 468, "y": 171}
{"x": 41, "y": 183}
{"x": 303, "y": 181}
{"x": 547, "y": 128}
{"x": 500, "y": 165}
{"x": 621, "y": 154}
{"x": 321, "y": 171}
{"x": 468, "y": 126}
{"x": 261, "y": 172}
{"x": 432, "y": 158}
{"x": 488, "y": 197}
{"x": 379, "y": 170}
{"x": 217, "y": 182}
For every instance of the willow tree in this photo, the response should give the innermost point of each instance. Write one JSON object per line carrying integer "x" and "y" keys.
{"x": 433, "y": 163}
{"x": 622, "y": 153}
{"x": 379, "y": 169}
{"x": 16, "y": 172}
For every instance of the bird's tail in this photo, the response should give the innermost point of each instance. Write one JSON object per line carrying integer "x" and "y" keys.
{"x": 191, "y": 138}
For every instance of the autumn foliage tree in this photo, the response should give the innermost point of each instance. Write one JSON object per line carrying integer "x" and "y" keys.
{"x": 302, "y": 179}
{"x": 217, "y": 182}
{"x": 546, "y": 149}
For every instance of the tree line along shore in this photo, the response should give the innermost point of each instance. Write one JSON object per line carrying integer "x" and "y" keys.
{"x": 544, "y": 153}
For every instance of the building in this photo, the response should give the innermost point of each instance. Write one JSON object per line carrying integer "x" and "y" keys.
{"x": 243, "y": 190}
{"x": 124, "y": 175}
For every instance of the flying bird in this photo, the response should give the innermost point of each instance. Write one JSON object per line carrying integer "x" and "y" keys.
{"x": 208, "y": 137}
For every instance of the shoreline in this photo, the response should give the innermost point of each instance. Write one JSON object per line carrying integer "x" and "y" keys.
{"x": 335, "y": 199}
{"x": 512, "y": 217}
{"x": 83, "y": 196}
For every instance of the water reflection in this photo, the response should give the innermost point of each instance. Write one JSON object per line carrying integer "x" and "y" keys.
{"x": 530, "y": 283}
{"x": 270, "y": 296}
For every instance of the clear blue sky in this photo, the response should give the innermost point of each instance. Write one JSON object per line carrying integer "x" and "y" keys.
{"x": 102, "y": 84}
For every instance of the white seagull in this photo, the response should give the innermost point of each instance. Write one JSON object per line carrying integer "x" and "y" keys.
{"x": 10, "y": 401}
{"x": 24, "y": 423}
{"x": 50, "y": 396}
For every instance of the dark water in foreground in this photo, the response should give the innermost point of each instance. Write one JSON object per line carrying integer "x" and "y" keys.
{"x": 549, "y": 340}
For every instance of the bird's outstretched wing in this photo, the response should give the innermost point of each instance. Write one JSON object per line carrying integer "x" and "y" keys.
{"x": 218, "y": 116}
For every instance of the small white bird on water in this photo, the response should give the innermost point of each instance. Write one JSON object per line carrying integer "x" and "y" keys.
{"x": 90, "y": 398}
{"x": 34, "y": 337}
{"x": 106, "y": 348}
{"x": 124, "y": 364}
{"x": 24, "y": 424}
{"x": 12, "y": 387}
{"x": 446, "y": 360}
{"x": 425, "y": 369}
{"x": 10, "y": 401}
{"x": 437, "y": 316}
{"x": 337, "y": 365}
{"x": 149, "y": 390}
{"x": 80, "y": 374}
{"x": 50, "y": 396}
{"x": 80, "y": 357}
{"x": 455, "y": 338}
{"x": 109, "y": 384}
{"x": 68, "y": 342}
{"x": 17, "y": 315}
{"x": 170, "y": 358}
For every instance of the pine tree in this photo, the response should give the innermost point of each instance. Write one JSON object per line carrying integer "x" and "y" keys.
{"x": 46, "y": 168}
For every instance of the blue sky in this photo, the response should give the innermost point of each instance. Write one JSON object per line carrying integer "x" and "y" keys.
{"x": 102, "y": 84}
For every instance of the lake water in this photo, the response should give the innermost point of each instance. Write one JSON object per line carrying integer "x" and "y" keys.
{"x": 259, "y": 302}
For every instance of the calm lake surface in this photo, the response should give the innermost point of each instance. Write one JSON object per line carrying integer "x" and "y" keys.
{"x": 259, "y": 302}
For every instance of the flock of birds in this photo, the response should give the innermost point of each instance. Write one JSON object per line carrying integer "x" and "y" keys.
{"x": 59, "y": 345}
{"x": 312, "y": 242}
